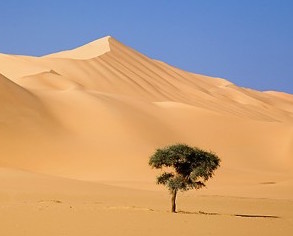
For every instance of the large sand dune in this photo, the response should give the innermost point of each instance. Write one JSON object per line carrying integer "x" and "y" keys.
{"x": 96, "y": 113}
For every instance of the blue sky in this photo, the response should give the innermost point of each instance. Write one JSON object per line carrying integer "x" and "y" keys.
{"x": 248, "y": 42}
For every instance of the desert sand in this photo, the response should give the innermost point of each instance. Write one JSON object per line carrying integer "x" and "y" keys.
{"x": 77, "y": 128}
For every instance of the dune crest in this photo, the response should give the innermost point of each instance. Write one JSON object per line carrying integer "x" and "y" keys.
{"x": 85, "y": 52}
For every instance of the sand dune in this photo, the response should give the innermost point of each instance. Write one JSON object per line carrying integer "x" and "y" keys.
{"x": 114, "y": 96}
{"x": 97, "y": 112}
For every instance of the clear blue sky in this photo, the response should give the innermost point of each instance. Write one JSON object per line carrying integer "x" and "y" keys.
{"x": 248, "y": 42}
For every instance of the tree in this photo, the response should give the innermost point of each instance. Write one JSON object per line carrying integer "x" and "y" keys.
{"x": 185, "y": 168}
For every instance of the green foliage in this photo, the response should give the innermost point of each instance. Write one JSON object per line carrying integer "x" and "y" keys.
{"x": 189, "y": 167}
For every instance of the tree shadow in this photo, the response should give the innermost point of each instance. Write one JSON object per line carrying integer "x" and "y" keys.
{"x": 197, "y": 213}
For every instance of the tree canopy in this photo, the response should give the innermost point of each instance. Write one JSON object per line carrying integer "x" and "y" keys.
{"x": 185, "y": 167}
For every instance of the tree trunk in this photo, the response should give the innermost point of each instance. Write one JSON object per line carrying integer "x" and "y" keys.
{"x": 173, "y": 201}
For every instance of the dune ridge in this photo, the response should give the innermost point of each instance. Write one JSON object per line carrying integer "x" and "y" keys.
{"x": 88, "y": 51}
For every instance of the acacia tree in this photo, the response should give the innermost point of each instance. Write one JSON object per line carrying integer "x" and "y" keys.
{"x": 186, "y": 168}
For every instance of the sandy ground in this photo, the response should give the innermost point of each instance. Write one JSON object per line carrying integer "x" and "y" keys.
{"x": 32, "y": 204}
{"x": 77, "y": 128}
